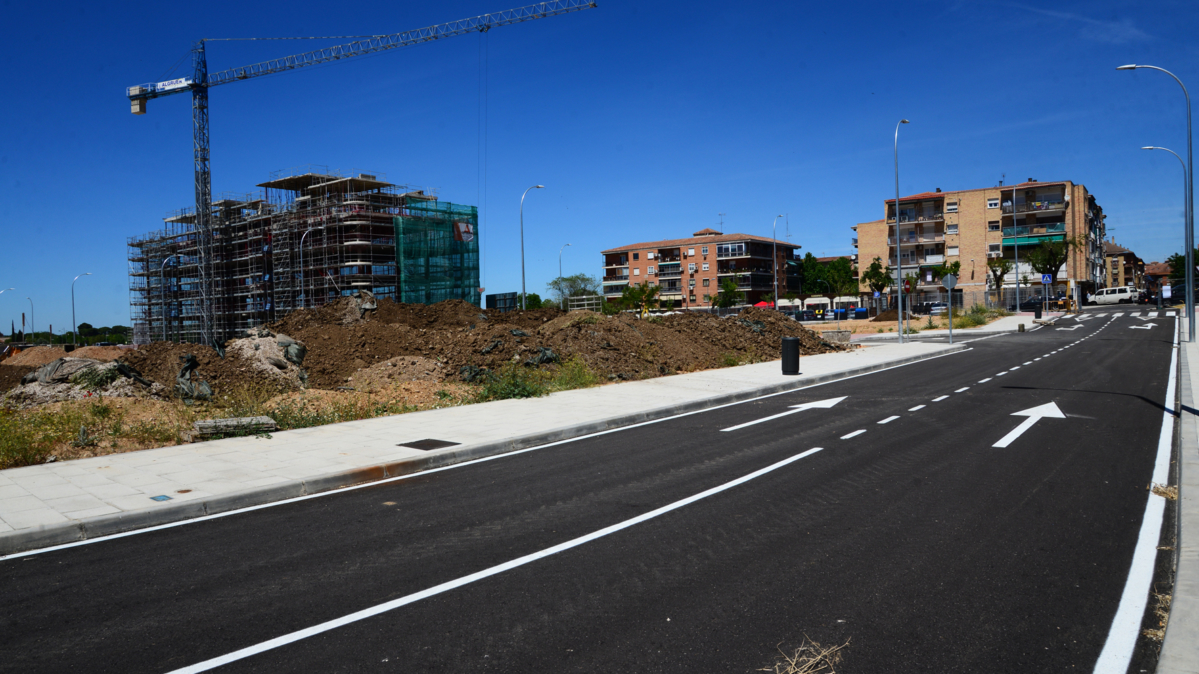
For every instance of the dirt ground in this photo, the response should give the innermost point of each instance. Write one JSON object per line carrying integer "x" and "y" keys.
{"x": 40, "y": 355}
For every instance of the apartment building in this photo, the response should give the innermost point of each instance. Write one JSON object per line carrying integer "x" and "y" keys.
{"x": 690, "y": 270}
{"x": 1124, "y": 268}
{"x": 974, "y": 225}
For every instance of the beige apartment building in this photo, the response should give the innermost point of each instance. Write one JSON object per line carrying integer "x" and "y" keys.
{"x": 690, "y": 270}
{"x": 1124, "y": 268}
{"x": 972, "y": 226}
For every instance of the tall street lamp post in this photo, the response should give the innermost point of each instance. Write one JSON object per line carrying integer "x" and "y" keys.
{"x": 1186, "y": 182}
{"x": 560, "y": 259}
{"x": 32, "y": 328}
{"x": 1189, "y": 239}
{"x": 898, "y": 243}
{"x": 74, "y": 326}
{"x": 1, "y": 293}
{"x": 522, "y": 244}
{"x": 774, "y": 237}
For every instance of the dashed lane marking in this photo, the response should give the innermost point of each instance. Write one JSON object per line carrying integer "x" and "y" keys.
{"x": 983, "y": 381}
{"x": 918, "y": 407}
{"x": 962, "y": 389}
{"x": 854, "y": 434}
{"x": 937, "y": 400}
{"x": 888, "y": 420}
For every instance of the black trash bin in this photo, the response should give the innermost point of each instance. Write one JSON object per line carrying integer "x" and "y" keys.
{"x": 790, "y": 355}
{"x": 1036, "y": 312}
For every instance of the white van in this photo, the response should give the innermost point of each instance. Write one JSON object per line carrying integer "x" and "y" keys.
{"x": 1121, "y": 295}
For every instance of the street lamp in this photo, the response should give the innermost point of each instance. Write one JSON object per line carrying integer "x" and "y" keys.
{"x": 1, "y": 293}
{"x": 162, "y": 284}
{"x": 775, "y": 260}
{"x": 1186, "y": 183}
{"x": 1189, "y": 239}
{"x": 74, "y": 326}
{"x": 32, "y": 329}
{"x": 898, "y": 243}
{"x": 560, "y": 260}
{"x": 522, "y": 244}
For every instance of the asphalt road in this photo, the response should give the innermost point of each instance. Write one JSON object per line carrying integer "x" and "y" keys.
{"x": 916, "y": 540}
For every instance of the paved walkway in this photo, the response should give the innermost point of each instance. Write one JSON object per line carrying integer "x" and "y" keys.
{"x": 56, "y": 503}
{"x": 1180, "y": 651}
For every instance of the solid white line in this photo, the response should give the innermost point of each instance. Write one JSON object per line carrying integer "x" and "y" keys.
{"x": 937, "y": 400}
{"x": 769, "y": 418}
{"x": 365, "y": 485}
{"x": 854, "y": 434}
{"x": 964, "y": 388}
{"x": 480, "y": 575}
{"x": 983, "y": 381}
{"x": 918, "y": 407}
{"x": 1126, "y": 626}
{"x": 888, "y": 420}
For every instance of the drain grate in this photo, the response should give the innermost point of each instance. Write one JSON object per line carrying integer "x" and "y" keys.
{"x": 428, "y": 444}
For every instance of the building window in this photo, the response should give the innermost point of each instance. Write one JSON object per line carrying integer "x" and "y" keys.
{"x": 691, "y": 284}
{"x": 704, "y": 250}
{"x": 707, "y": 298}
{"x": 693, "y": 298}
{"x": 705, "y": 266}
{"x": 636, "y": 256}
{"x": 992, "y": 226}
{"x": 690, "y": 251}
{"x": 706, "y": 282}
{"x": 649, "y": 271}
{"x": 951, "y": 229}
{"x": 994, "y": 248}
{"x": 951, "y": 207}
{"x": 993, "y": 203}
{"x": 649, "y": 256}
{"x": 636, "y": 271}
{"x": 952, "y": 250}
{"x": 691, "y": 267}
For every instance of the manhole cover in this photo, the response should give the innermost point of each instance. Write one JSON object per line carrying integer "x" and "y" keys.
{"x": 427, "y": 444}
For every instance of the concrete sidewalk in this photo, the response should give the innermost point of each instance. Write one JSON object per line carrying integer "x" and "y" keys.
{"x": 57, "y": 503}
{"x": 1180, "y": 649}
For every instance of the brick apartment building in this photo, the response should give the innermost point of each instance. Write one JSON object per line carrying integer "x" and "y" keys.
{"x": 1124, "y": 268}
{"x": 690, "y": 270}
{"x": 972, "y": 226}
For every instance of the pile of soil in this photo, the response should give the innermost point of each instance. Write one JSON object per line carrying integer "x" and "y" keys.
{"x": 457, "y": 334}
{"x": 160, "y": 362}
{"x": 37, "y": 356}
{"x": 400, "y": 369}
{"x": 10, "y": 375}
{"x": 888, "y": 316}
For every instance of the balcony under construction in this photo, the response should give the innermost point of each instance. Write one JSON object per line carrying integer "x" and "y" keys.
{"x": 308, "y": 238}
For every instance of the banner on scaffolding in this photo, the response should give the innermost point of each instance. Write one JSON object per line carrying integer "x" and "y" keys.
{"x": 464, "y": 232}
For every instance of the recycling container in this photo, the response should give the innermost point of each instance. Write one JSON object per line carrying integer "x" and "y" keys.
{"x": 790, "y": 355}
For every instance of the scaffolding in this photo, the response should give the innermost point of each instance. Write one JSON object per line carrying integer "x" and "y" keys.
{"x": 437, "y": 249}
{"x": 311, "y": 236}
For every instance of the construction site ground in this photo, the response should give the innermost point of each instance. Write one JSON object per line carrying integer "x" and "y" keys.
{"x": 397, "y": 358}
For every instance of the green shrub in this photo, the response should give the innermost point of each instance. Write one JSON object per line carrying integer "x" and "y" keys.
{"x": 96, "y": 378}
{"x": 573, "y": 374}
{"x": 514, "y": 381}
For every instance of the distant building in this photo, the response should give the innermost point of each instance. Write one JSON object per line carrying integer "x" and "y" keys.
{"x": 975, "y": 225}
{"x": 503, "y": 302}
{"x": 1155, "y": 274}
{"x": 690, "y": 270}
{"x": 1124, "y": 268}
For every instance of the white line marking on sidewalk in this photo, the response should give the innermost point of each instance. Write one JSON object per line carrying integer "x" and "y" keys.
{"x": 983, "y": 381}
{"x": 1126, "y": 626}
{"x": 854, "y": 434}
{"x": 937, "y": 400}
{"x": 918, "y": 407}
{"x": 366, "y": 485}
{"x": 964, "y": 388}
{"x": 480, "y": 575}
{"x": 889, "y": 420}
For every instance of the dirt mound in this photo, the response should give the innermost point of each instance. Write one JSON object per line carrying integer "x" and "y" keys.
{"x": 104, "y": 354}
{"x": 400, "y": 369}
{"x": 888, "y": 316}
{"x": 10, "y": 375}
{"x": 159, "y": 362}
{"x": 37, "y": 356}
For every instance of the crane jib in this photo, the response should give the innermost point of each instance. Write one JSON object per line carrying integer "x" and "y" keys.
{"x": 480, "y": 23}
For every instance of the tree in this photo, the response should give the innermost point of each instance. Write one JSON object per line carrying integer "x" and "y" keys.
{"x": 839, "y": 274}
{"x": 813, "y": 273}
{"x": 999, "y": 267}
{"x": 641, "y": 297}
{"x": 878, "y": 278}
{"x": 577, "y": 285}
{"x": 729, "y": 295}
{"x": 1178, "y": 266}
{"x": 942, "y": 270}
{"x": 532, "y": 301}
{"x": 1049, "y": 256}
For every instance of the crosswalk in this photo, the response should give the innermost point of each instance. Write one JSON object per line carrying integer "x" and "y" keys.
{"x": 1141, "y": 314}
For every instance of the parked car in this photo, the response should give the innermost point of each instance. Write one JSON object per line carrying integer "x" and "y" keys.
{"x": 805, "y": 315}
{"x": 1032, "y": 303}
{"x": 937, "y": 308}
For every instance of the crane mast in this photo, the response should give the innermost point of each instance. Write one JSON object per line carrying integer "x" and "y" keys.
{"x": 200, "y": 81}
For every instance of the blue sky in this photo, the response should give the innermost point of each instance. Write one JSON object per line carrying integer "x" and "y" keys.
{"x": 644, "y": 120}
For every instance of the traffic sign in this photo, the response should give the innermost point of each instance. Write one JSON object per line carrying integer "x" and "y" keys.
{"x": 876, "y": 294}
{"x": 907, "y": 285}
{"x": 1046, "y": 279}
{"x": 949, "y": 281}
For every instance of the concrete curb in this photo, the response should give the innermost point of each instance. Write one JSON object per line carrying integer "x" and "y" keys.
{"x": 1180, "y": 647}
{"x": 105, "y": 525}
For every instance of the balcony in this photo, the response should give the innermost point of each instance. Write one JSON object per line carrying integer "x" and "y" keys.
{"x": 923, "y": 217}
{"x": 912, "y": 240}
{"x": 621, "y": 277}
{"x": 854, "y": 241}
{"x": 1034, "y": 206}
{"x": 729, "y": 271}
{"x": 916, "y": 260}
{"x": 1035, "y": 230}
{"x": 670, "y": 274}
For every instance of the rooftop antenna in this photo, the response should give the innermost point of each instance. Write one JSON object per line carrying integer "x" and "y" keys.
{"x": 1003, "y": 177}
{"x": 722, "y": 221}
{"x": 787, "y": 223}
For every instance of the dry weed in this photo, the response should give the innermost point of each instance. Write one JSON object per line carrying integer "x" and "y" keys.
{"x": 1161, "y": 609}
{"x": 810, "y": 658}
{"x": 1168, "y": 492}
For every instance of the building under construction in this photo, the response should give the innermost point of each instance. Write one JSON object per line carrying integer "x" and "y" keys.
{"x": 310, "y": 237}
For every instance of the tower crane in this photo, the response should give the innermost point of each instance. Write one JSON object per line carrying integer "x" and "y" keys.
{"x": 201, "y": 80}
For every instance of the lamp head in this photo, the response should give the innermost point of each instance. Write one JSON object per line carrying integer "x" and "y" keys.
{"x": 1127, "y": 67}
{"x": 539, "y": 186}
{"x": 1147, "y": 147}
{"x": 904, "y": 121}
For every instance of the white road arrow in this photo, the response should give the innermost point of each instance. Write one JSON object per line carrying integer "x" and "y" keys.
{"x": 1034, "y": 414}
{"x": 1072, "y": 327}
{"x": 817, "y": 404}
{"x": 1146, "y": 326}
